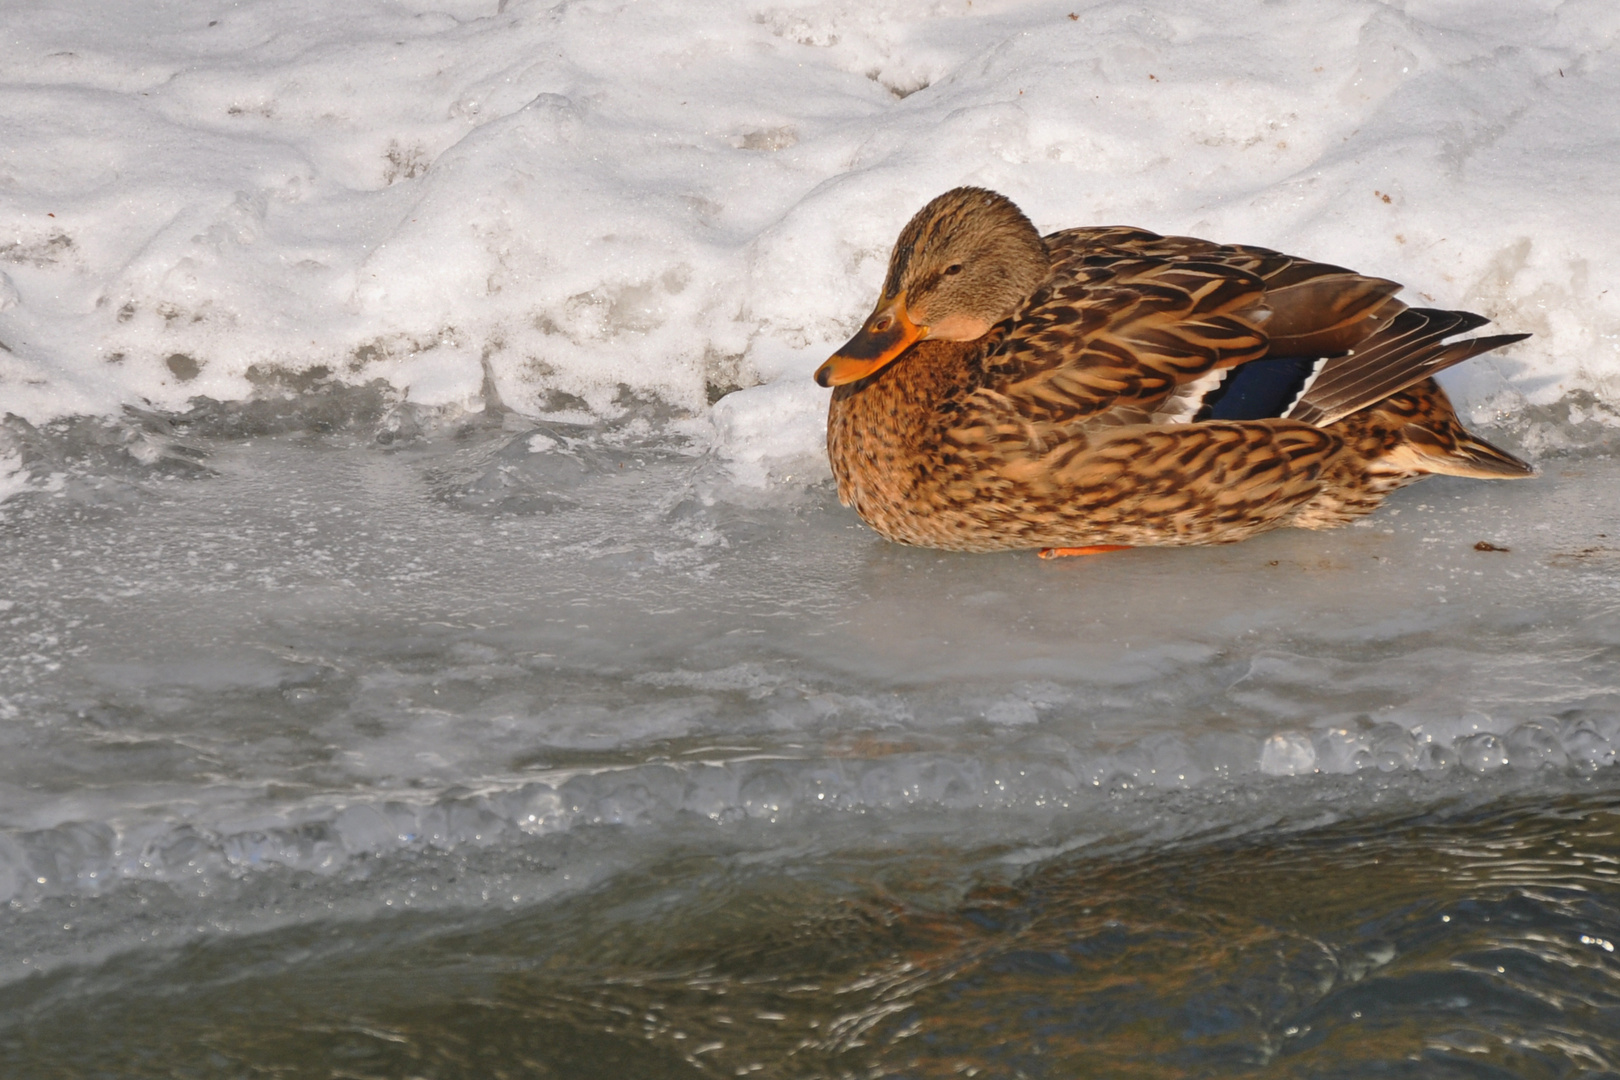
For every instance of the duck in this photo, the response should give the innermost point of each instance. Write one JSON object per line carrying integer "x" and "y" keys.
{"x": 1102, "y": 388}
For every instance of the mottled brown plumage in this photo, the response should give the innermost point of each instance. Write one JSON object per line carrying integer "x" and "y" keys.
{"x": 1015, "y": 391}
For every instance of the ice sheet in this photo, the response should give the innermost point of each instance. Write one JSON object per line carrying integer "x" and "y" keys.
{"x": 279, "y": 653}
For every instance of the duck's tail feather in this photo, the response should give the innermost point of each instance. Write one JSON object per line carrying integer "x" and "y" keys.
{"x": 1455, "y": 452}
{"x": 1409, "y": 349}
{"x": 1416, "y": 431}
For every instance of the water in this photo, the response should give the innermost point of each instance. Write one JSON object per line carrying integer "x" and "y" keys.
{"x": 342, "y": 743}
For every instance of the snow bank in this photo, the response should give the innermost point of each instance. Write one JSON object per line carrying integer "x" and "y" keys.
{"x": 568, "y": 201}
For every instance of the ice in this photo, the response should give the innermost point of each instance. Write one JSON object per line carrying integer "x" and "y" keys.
{"x": 1287, "y": 754}
{"x": 308, "y": 655}
{"x": 13, "y": 477}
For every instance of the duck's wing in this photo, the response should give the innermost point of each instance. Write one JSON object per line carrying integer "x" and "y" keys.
{"x": 1111, "y": 337}
{"x": 1135, "y": 327}
{"x": 1338, "y": 341}
{"x": 1408, "y": 350}
{"x": 1316, "y": 309}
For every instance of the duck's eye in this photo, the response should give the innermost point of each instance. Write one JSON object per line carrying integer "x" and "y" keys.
{"x": 954, "y": 268}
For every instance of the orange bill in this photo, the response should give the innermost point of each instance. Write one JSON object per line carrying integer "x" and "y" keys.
{"x": 887, "y": 333}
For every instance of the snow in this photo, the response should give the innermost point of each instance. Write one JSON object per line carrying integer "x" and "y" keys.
{"x": 683, "y": 199}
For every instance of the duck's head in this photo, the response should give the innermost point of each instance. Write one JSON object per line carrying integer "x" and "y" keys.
{"x": 968, "y": 260}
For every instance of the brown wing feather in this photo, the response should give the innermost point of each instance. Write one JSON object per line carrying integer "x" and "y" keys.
{"x": 1329, "y": 311}
{"x": 1317, "y": 309}
{"x": 1406, "y": 351}
{"x": 1130, "y": 315}
{"x": 1378, "y": 346}
{"x": 1121, "y": 332}
{"x": 1131, "y": 322}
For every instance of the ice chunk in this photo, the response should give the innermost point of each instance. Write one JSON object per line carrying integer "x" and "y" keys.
{"x": 1287, "y": 753}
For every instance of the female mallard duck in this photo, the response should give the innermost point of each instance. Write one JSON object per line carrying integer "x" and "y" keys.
{"x": 1108, "y": 387}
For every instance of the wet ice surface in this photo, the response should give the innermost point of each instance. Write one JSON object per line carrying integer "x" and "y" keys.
{"x": 555, "y": 741}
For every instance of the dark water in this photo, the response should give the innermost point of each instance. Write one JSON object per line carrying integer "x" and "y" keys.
{"x": 1460, "y": 941}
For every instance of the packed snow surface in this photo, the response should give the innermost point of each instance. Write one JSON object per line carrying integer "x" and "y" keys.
{"x": 418, "y": 558}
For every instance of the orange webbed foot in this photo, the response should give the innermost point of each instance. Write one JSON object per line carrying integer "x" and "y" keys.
{"x": 1089, "y": 549}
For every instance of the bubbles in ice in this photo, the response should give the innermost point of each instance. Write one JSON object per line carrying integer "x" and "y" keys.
{"x": 1287, "y": 754}
{"x": 1481, "y": 753}
{"x": 1391, "y": 747}
{"x": 767, "y": 794}
{"x": 1038, "y": 771}
{"x": 73, "y": 857}
{"x": 1534, "y": 744}
{"x": 365, "y": 828}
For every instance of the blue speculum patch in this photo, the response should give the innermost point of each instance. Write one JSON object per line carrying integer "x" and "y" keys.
{"x": 1260, "y": 389}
